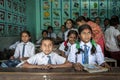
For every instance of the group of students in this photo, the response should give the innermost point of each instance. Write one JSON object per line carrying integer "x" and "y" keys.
{"x": 79, "y": 48}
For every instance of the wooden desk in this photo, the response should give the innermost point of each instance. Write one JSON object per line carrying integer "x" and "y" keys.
{"x": 56, "y": 74}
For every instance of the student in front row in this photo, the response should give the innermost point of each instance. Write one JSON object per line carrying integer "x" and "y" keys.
{"x": 86, "y": 51}
{"x": 65, "y": 46}
{"x": 47, "y": 58}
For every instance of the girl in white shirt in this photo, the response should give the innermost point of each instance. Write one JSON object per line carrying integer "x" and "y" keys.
{"x": 65, "y": 46}
{"x": 25, "y": 48}
{"x": 86, "y": 51}
{"x": 47, "y": 58}
{"x": 69, "y": 26}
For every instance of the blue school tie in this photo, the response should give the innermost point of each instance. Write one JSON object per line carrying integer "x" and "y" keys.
{"x": 85, "y": 55}
{"x": 23, "y": 50}
{"x": 49, "y": 59}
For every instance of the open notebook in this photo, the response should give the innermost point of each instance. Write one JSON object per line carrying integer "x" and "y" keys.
{"x": 94, "y": 68}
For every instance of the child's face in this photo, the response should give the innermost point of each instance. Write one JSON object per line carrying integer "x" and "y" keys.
{"x": 63, "y": 29}
{"x": 72, "y": 38}
{"x": 25, "y": 37}
{"x": 85, "y": 35}
{"x": 47, "y": 46}
{"x": 69, "y": 24}
{"x": 97, "y": 21}
{"x": 44, "y": 34}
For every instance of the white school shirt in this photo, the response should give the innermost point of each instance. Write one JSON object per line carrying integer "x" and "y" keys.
{"x": 53, "y": 35}
{"x": 38, "y": 42}
{"x": 60, "y": 35}
{"x": 66, "y": 33}
{"x": 42, "y": 59}
{"x": 13, "y": 46}
{"x": 29, "y": 50}
{"x": 111, "y": 39}
{"x": 62, "y": 47}
{"x": 97, "y": 58}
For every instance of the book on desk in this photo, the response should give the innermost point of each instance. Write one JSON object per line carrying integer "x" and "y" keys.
{"x": 91, "y": 68}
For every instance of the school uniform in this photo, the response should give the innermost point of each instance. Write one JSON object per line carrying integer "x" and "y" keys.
{"x": 52, "y": 35}
{"x": 111, "y": 39}
{"x": 42, "y": 59}
{"x": 113, "y": 48}
{"x": 29, "y": 50}
{"x": 62, "y": 47}
{"x": 66, "y": 33}
{"x": 96, "y": 58}
{"x": 38, "y": 42}
{"x": 13, "y": 46}
{"x": 61, "y": 35}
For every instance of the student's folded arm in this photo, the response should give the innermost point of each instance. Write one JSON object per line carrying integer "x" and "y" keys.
{"x": 27, "y": 65}
{"x": 67, "y": 64}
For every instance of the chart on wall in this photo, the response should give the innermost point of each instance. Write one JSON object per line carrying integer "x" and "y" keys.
{"x": 114, "y": 8}
{"x": 56, "y": 12}
{"x": 12, "y": 17}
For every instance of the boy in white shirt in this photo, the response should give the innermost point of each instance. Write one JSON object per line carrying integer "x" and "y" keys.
{"x": 47, "y": 58}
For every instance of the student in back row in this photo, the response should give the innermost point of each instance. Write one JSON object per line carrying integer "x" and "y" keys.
{"x": 47, "y": 58}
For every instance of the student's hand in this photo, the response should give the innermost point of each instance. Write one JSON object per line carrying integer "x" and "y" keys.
{"x": 78, "y": 66}
{"x": 51, "y": 66}
{"x": 12, "y": 57}
{"x": 105, "y": 65}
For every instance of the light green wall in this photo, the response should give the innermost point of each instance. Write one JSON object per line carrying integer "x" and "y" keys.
{"x": 31, "y": 18}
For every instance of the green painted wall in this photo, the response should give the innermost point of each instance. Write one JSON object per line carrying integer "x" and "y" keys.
{"x": 31, "y": 18}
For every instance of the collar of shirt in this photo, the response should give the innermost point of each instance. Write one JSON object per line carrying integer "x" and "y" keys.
{"x": 68, "y": 44}
{"x": 44, "y": 55}
{"x": 88, "y": 44}
{"x": 25, "y": 43}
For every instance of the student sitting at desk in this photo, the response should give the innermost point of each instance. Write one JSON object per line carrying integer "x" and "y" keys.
{"x": 65, "y": 46}
{"x": 23, "y": 51}
{"x": 47, "y": 58}
{"x": 86, "y": 51}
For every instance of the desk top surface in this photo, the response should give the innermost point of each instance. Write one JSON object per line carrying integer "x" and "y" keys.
{"x": 58, "y": 71}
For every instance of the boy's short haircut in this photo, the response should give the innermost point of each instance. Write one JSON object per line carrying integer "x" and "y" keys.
{"x": 47, "y": 38}
{"x": 44, "y": 31}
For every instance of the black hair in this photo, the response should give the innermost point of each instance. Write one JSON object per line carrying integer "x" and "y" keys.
{"x": 117, "y": 18}
{"x": 82, "y": 18}
{"x": 69, "y": 33}
{"x": 81, "y": 28}
{"x": 47, "y": 38}
{"x": 71, "y": 21}
{"x": 44, "y": 31}
{"x": 72, "y": 32}
{"x": 97, "y": 18}
{"x": 27, "y": 32}
{"x": 106, "y": 19}
{"x": 113, "y": 22}
{"x": 50, "y": 27}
